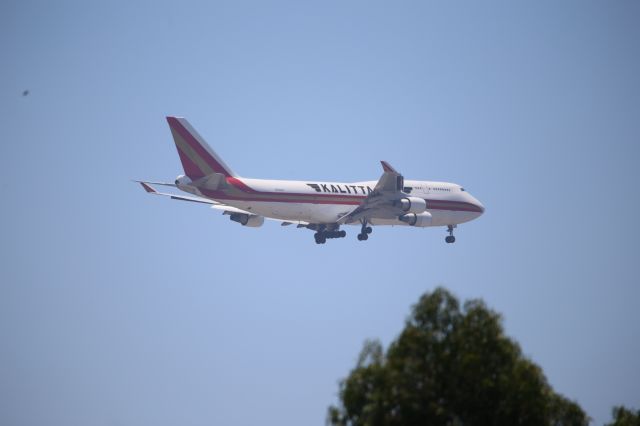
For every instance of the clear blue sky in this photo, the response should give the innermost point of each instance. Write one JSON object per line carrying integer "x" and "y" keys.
{"x": 117, "y": 308}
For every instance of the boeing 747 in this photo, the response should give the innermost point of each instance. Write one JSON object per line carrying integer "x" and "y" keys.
{"x": 323, "y": 207}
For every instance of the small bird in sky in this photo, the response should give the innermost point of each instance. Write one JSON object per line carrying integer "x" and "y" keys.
{"x": 25, "y": 93}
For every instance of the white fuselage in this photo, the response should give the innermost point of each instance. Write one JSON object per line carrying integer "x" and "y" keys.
{"x": 325, "y": 202}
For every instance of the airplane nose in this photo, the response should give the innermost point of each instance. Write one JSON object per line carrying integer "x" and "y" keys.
{"x": 479, "y": 205}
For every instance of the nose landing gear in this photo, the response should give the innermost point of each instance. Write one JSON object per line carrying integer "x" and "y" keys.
{"x": 450, "y": 238}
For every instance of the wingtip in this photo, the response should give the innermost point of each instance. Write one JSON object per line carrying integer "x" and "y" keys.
{"x": 173, "y": 119}
{"x": 387, "y": 167}
{"x": 148, "y": 188}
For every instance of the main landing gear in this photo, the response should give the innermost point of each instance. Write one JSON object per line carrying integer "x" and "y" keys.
{"x": 364, "y": 232}
{"x": 322, "y": 235}
{"x": 450, "y": 238}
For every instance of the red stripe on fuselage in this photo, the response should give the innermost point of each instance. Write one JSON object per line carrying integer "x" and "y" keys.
{"x": 220, "y": 195}
{"x": 452, "y": 205}
{"x": 237, "y": 183}
{"x": 354, "y": 200}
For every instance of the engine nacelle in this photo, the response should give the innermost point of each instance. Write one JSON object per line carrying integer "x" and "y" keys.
{"x": 182, "y": 180}
{"x": 250, "y": 220}
{"x": 420, "y": 220}
{"x": 412, "y": 204}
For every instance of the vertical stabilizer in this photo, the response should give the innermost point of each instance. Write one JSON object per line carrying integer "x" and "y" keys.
{"x": 198, "y": 159}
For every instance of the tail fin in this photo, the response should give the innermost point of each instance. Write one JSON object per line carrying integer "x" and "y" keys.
{"x": 198, "y": 159}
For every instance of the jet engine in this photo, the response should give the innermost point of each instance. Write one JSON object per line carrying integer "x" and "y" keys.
{"x": 182, "y": 180}
{"x": 412, "y": 205}
{"x": 420, "y": 220}
{"x": 250, "y": 220}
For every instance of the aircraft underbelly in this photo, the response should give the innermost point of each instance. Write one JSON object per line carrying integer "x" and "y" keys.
{"x": 450, "y": 217}
{"x": 329, "y": 213}
{"x": 306, "y": 212}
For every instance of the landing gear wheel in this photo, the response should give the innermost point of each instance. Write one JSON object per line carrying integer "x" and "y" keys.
{"x": 450, "y": 239}
{"x": 342, "y": 234}
{"x": 320, "y": 237}
{"x": 363, "y": 237}
{"x": 364, "y": 231}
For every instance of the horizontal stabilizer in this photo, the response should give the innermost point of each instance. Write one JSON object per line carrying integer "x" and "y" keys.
{"x": 151, "y": 190}
{"x": 155, "y": 183}
{"x": 148, "y": 188}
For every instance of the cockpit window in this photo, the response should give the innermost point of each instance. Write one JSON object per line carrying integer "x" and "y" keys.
{"x": 462, "y": 189}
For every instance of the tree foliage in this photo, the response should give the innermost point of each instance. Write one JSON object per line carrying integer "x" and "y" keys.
{"x": 623, "y": 416}
{"x": 450, "y": 366}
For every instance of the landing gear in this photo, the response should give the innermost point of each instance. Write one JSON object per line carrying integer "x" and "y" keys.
{"x": 322, "y": 235}
{"x": 364, "y": 232}
{"x": 450, "y": 238}
{"x": 335, "y": 234}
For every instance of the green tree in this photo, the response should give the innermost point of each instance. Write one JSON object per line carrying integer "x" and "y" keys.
{"x": 622, "y": 416}
{"x": 450, "y": 366}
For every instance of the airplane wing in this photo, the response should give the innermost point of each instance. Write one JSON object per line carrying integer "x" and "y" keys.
{"x": 382, "y": 202}
{"x": 214, "y": 204}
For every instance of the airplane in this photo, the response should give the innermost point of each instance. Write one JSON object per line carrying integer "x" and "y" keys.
{"x": 323, "y": 207}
